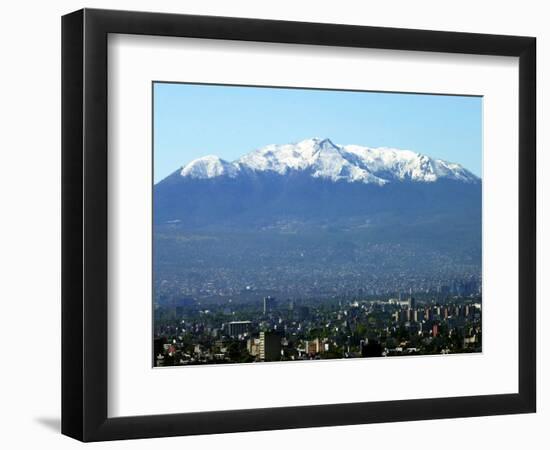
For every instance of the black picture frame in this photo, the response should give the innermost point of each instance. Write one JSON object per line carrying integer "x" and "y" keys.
{"x": 84, "y": 224}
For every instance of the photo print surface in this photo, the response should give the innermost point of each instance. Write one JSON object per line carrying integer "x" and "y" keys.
{"x": 306, "y": 224}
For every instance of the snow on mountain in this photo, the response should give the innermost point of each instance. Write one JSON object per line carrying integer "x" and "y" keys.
{"x": 209, "y": 167}
{"x": 321, "y": 158}
{"x": 394, "y": 164}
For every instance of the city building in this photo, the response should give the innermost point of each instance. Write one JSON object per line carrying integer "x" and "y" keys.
{"x": 238, "y": 328}
{"x": 270, "y": 346}
{"x": 412, "y": 301}
{"x": 315, "y": 346}
{"x": 269, "y": 304}
{"x": 253, "y": 346}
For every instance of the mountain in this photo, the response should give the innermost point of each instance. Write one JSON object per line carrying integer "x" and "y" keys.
{"x": 313, "y": 220}
{"x": 321, "y": 158}
{"x": 316, "y": 180}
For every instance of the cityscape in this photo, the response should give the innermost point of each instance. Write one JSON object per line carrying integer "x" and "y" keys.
{"x": 192, "y": 333}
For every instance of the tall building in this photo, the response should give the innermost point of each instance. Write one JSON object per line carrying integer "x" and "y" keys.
{"x": 270, "y": 346}
{"x": 237, "y": 328}
{"x": 269, "y": 304}
{"x": 412, "y": 301}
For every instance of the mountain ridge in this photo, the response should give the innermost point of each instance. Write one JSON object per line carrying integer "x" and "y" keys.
{"x": 321, "y": 158}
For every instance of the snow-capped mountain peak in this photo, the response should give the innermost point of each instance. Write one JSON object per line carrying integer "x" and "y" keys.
{"x": 406, "y": 165}
{"x": 209, "y": 166}
{"x": 321, "y": 158}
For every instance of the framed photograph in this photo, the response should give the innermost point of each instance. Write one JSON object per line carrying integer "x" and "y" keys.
{"x": 273, "y": 224}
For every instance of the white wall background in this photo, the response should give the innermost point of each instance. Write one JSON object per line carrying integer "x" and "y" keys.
{"x": 30, "y": 224}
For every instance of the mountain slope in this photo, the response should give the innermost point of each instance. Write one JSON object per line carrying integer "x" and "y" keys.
{"x": 314, "y": 181}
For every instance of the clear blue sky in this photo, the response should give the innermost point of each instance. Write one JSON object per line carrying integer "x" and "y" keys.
{"x": 193, "y": 120}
